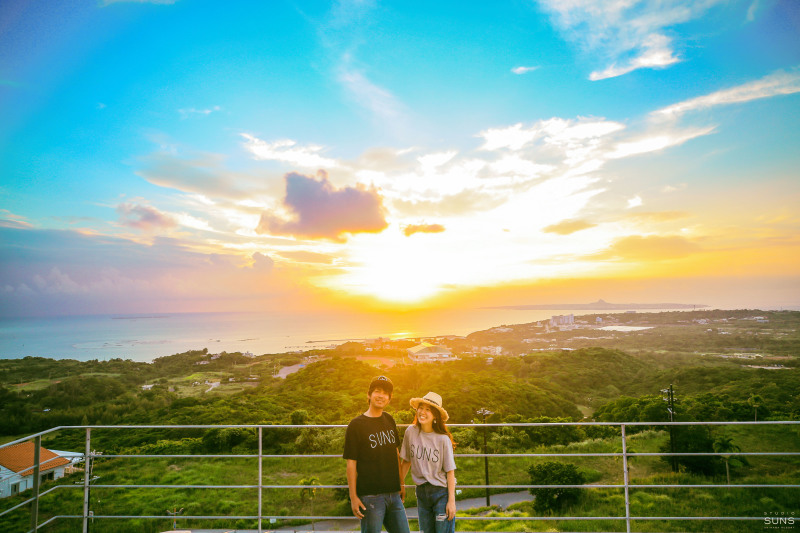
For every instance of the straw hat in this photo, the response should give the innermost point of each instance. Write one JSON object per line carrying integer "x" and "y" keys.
{"x": 432, "y": 399}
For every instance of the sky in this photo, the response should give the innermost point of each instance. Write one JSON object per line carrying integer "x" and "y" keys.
{"x": 190, "y": 155}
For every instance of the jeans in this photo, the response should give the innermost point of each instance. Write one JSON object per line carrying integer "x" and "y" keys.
{"x": 431, "y": 505}
{"x": 384, "y": 510}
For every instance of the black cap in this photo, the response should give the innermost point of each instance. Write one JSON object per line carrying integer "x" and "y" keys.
{"x": 381, "y": 382}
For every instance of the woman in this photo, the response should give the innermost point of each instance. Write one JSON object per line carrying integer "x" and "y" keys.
{"x": 428, "y": 451}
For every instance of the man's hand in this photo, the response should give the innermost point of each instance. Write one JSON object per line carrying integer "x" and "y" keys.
{"x": 450, "y": 509}
{"x": 403, "y": 493}
{"x": 356, "y": 505}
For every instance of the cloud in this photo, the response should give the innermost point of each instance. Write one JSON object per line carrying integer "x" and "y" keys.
{"x": 555, "y": 131}
{"x": 568, "y": 227}
{"x": 144, "y": 217}
{"x": 778, "y": 83}
{"x": 318, "y": 210}
{"x": 411, "y": 229}
{"x": 523, "y": 70}
{"x": 512, "y": 137}
{"x": 201, "y": 173}
{"x": 69, "y": 272}
{"x": 648, "y": 248}
{"x": 10, "y": 220}
{"x": 673, "y": 188}
{"x": 263, "y": 263}
{"x": 636, "y": 201}
{"x": 376, "y": 99}
{"x": 303, "y": 256}
{"x": 658, "y": 139}
{"x": 629, "y": 34}
{"x": 467, "y": 201}
{"x": 186, "y": 113}
{"x": 656, "y": 53}
{"x": 288, "y": 151}
{"x": 658, "y": 216}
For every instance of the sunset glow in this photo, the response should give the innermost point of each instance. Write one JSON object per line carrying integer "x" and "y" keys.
{"x": 195, "y": 156}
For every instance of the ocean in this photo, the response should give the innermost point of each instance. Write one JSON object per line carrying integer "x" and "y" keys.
{"x": 145, "y": 337}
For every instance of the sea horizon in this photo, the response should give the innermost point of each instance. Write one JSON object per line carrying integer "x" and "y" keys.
{"x": 146, "y": 336}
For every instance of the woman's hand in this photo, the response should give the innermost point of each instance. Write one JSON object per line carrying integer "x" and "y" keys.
{"x": 451, "y": 509}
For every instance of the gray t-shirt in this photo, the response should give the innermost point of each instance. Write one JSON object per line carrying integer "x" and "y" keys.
{"x": 430, "y": 455}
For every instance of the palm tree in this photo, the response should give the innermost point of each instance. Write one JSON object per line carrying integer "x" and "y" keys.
{"x": 724, "y": 445}
{"x": 310, "y": 490}
{"x": 755, "y": 400}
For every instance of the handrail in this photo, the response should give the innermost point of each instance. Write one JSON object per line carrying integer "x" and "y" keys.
{"x": 260, "y": 486}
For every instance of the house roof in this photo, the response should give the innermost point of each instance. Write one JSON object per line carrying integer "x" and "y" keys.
{"x": 19, "y": 458}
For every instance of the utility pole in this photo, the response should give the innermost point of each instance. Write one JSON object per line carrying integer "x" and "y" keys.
{"x": 485, "y": 412}
{"x": 670, "y": 399}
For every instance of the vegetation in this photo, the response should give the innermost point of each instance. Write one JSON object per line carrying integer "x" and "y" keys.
{"x": 553, "y": 473}
{"x": 619, "y": 382}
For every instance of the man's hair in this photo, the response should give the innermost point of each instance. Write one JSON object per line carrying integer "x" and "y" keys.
{"x": 381, "y": 382}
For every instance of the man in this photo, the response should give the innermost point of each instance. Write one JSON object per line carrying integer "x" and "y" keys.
{"x": 373, "y": 468}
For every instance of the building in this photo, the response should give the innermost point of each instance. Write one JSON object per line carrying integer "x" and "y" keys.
{"x": 426, "y": 352}
{"x": 16, "y": 467}
{"x": 562, "y": 320}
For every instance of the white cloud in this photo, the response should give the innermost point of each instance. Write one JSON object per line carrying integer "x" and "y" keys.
{"x": 655, "y": 141}
{"x": 376, "y": 99}
{"x": 778, "y": 83}
{"x": 630, "y": 34}
{"x": 186, "y": 113}
{"x": 437, "y": 159}
{"x": 636, "y": 201}
{"x": 523, "y": 70}
{"x": 288, "y": 151}
{"x": 656, "y": 53}
{"x": 513, "y": 137}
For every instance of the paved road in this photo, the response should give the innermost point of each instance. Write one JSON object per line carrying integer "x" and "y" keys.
{"x": 353, "y": 524}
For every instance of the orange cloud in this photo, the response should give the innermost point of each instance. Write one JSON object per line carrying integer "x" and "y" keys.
{"x": 567, "y": 227}
{"x": 411, "y": 229}
{"x": 302, "y": 256}
{"x": 649, "y": 248}
{"x": 658, "y": 216}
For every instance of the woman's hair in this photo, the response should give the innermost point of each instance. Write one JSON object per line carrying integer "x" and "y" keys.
{"x": 438, "y": 424}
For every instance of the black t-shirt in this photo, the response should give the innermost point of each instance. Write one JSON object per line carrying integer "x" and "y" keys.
{"x": 373, "y": 443}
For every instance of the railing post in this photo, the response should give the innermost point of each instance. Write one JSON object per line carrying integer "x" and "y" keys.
{"x": 260, "y": 474}
{"x": 37, "y": 447}
{"x": 625, "y": 478}
{"x": 86, "y": 479}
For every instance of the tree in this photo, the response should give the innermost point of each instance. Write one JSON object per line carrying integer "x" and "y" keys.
{"x": 693, "y": 439}
{"x": 553, "y": 473}
{"x": 755, "y": 401}
{"x": 310, "y": 491}
{"x": 724, "y": 445}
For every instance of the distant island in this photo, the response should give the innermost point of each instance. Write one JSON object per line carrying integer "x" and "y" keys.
{"x": 600, "y": 305}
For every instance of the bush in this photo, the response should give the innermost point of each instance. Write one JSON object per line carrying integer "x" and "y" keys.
{"x": 552, "y": 473}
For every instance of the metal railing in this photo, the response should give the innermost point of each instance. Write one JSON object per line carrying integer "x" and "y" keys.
{"x": 260, "y": 517}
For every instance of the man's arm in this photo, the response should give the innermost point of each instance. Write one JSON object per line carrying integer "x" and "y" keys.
{"x": 355, "y": 502}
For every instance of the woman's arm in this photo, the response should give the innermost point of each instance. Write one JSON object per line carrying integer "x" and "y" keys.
{"x": 404, "y": 466}
{"x": 451, "y": 495}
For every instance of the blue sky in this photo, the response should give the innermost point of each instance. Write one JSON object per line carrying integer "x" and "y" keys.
{"x": 189, "y": 155}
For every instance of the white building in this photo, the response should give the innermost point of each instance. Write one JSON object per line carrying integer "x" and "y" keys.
{"x": 427, "y": 352}
{"x": 16, "y": 467}
{"x": 562, "y": 320}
